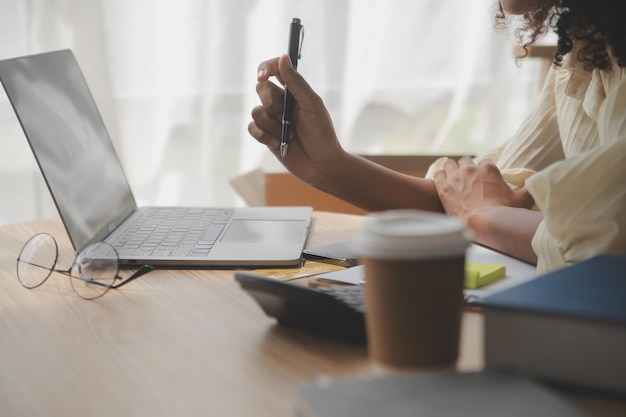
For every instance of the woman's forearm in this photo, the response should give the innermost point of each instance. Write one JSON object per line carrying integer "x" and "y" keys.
{"x": 373, "y": 187}
{"x": 509, "y": 230}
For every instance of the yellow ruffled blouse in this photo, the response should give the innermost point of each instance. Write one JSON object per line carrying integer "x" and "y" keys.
{"x": 571, "y": 154}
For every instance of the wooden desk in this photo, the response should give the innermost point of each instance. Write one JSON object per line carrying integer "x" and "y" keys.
{"x": 172, "y": 343}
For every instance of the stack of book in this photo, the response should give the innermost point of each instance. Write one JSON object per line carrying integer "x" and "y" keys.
{"x": 568, "y": 326}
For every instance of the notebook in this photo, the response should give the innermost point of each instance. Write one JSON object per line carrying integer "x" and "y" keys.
{"x": 85, "y": 177}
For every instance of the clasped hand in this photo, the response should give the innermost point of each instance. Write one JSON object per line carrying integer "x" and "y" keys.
{"x": 465, "y": 188}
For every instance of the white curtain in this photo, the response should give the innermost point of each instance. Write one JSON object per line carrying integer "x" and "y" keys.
{"x": 175, "y": 83}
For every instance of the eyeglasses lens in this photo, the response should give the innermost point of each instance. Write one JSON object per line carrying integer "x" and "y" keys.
{"x": 37, "y": 260}
{"x": 95, "y": 270}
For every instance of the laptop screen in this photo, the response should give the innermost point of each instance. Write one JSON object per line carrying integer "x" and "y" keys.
{"x": 69, "y": 141}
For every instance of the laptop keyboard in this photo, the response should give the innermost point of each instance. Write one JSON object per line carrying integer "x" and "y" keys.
{"x": 174, "y": 232}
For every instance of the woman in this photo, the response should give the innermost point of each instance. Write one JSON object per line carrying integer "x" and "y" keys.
{"x": 553, "y": 194}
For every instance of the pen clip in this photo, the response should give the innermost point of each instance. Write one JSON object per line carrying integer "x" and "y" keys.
{"x": 301, "y": 36}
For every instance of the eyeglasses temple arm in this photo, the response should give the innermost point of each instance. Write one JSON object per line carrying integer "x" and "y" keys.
{"x": 141, "y": 271}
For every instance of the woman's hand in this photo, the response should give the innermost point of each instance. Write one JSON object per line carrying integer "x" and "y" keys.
{"x": 315, "y": 155}
{"x": 466, "y": 189}
{"x": 313, "y": 146}
{"x": 499, "y": 217}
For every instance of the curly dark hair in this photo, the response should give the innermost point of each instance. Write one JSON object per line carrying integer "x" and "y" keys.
{"x": 600, "y": 25}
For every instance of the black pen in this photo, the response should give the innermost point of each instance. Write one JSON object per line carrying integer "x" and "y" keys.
{"x": 295, "y": 31}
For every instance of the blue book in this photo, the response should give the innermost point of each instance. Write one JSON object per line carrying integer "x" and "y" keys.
{"x": 568, "y": 326}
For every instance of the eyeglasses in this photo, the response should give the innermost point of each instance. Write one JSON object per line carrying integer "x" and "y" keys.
{"x": 93, "y": 273}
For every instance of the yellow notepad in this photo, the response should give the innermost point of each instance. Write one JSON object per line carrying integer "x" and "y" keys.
{"x": 479, "y": 274}
{"x": 287, "y": 274}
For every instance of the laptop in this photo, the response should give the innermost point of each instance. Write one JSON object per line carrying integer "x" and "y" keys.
{"x": 85, "y": 177}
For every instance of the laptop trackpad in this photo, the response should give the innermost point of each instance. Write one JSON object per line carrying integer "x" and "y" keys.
{"x": 264, "y": 231}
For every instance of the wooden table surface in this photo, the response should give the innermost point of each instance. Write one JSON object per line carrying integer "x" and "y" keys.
{"x": 172, "y": 343}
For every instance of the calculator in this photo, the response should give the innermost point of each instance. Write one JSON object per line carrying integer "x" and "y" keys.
{"x": 336, "y": 312}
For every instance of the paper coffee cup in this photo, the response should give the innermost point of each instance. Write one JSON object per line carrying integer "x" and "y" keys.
{"x": 414, "y": 273}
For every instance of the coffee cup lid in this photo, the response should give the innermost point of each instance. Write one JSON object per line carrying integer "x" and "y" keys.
{"x": 411, "y": 234}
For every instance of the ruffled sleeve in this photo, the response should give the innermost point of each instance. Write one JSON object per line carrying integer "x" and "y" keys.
{"x": 583, "y": 198}
{"x": 535, "y": 145}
